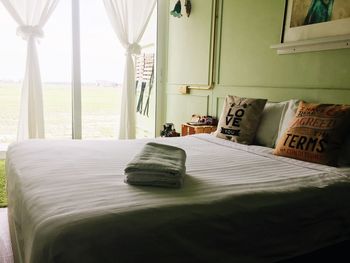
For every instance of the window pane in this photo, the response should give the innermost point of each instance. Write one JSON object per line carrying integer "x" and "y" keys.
{"x": 54, "y": 58}
{"x": 55, "y": 65}
{"x": 12, "y": 61}
{"x": 102, "y": 67}
{"x": 146, "y": 92}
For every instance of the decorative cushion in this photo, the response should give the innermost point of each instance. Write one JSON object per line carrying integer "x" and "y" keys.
{"x": 267, "y": 131}
{"x": 239, "y": 119}
{"x": 316, "y": 133}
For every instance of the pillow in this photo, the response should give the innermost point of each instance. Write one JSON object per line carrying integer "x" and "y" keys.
{"x": 316, "y": 133}
{"x": 239, "y": 119}
{"x": 344, "y": 155}
{"x": 267, "y": 131}
{"x": 288, "y": 115}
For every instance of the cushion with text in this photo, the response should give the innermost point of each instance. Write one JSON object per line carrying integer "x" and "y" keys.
{"x": 240, "y": 118}
{"x": 316, "y": 133}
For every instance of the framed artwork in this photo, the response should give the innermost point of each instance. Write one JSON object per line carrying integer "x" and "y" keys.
{"x": 315, "y": 19}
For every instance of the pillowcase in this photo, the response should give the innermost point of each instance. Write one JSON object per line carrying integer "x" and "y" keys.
{"x": 239, "y": 119}
{"x": 344, "y": 155}
{"x": 316, "y": 133}
{"x": 267, "y": 131}
{"x": 288, "y": 115}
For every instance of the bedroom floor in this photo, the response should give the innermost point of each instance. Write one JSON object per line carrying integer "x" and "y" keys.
{"x": 6, "y": 255}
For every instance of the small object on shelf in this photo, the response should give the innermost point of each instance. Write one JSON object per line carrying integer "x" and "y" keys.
{"x": 197, "y": 120}
{"x": 209, "y": 120}
{"x": 169, "y": 130}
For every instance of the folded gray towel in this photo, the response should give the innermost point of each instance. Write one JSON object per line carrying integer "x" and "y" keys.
{"x": 157, "y": 165}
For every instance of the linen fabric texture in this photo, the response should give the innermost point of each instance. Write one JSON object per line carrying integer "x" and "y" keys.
{"x": 71, "y": 194}
{"x": 31, "y": 16}
{"x": 240, "y": 118}
{"x": 267, "y": 131}
{"x": 157, "y": 165}
{"x": 316, "y": 134}
{"x": 129, "y": 19}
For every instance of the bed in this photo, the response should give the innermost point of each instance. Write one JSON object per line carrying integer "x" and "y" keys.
{"x": 68, "y": 202}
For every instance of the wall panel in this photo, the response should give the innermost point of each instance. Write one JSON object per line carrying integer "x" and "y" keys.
{"x": 247, "y": 66}
{"x": 183, "y": 106}
{"x": 189, "y": 46}
{"x": 249, "y": 27}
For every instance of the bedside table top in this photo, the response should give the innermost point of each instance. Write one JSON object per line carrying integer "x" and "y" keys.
{"x": 187, "y": 129}
{"x": 193, "y": 125}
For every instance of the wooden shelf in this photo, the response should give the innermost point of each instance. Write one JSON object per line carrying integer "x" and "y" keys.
{"x": 327, "y": 43}
{"x": 187, "y": 129}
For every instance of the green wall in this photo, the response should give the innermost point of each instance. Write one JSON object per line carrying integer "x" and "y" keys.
{"x": 245, "y": 63}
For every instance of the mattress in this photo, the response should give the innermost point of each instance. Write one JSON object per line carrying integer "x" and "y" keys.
{"x": 68, "y": 202}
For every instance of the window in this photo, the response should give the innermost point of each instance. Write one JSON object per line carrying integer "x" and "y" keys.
{"x": 12, "y": 60}
{"x": 101, "y": 74}
{"x": 102, "y": 67}
{"x": 55, "y": 65}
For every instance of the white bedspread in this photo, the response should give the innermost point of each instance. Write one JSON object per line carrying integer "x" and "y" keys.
{"x": 68, "y": 203}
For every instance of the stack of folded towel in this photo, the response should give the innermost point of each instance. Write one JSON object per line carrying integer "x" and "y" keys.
{"x": 157, "y": 165}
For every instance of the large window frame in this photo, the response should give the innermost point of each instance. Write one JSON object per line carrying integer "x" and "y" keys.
{"x": 76, "y": 72}
{"x": 76, "y": 83}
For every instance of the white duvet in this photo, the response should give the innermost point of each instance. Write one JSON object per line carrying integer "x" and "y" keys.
{"x": 68, "y": 203}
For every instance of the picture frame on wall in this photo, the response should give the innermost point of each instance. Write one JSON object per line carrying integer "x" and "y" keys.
{"x": 311, "y": 19}
{"x": 313, "y": 25}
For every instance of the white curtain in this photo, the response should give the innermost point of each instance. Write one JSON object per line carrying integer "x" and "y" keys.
{"x": 31, "y": 16}
{"x": 129, "y": 19}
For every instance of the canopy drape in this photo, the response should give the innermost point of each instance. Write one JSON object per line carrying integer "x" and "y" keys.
{"x": 129, "y": 19}
{"x": 31, "y": 16}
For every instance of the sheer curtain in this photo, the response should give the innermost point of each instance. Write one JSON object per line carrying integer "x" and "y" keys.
{"x": 129, "y": 19}
{"x": 31, "y": 16}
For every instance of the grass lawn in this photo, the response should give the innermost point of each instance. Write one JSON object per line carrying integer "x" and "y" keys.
{"x": 100, "y": 115}
{"x": 100, "y": 111}
{"x": 3, "y": 195}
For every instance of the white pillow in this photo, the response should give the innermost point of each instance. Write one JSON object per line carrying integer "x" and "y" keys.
{"x": 267, "y": 132}
{"x": 344, "y": 155}
{"x": 287, "y": 116}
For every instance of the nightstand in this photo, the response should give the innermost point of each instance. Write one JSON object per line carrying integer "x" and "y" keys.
{"x": 187, "y": 129}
